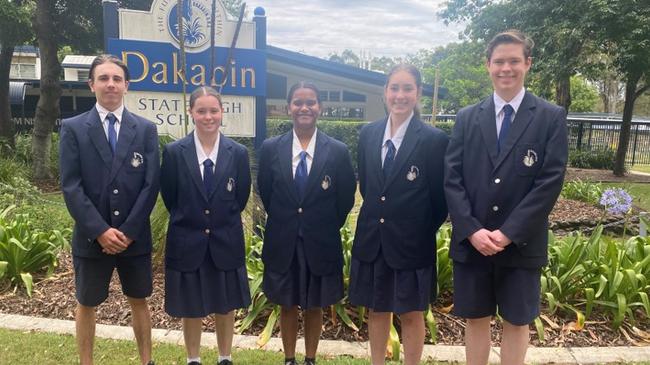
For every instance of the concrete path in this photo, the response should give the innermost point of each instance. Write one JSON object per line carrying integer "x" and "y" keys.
{"x": 535, "y": 355}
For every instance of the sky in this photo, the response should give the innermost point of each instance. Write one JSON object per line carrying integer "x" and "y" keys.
{"x": 375, "y": 28}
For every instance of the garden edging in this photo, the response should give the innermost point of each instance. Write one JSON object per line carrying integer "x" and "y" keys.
{"x": 535, "y": 355}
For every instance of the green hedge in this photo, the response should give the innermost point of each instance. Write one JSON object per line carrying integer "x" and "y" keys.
{"x": 602, "y": 159}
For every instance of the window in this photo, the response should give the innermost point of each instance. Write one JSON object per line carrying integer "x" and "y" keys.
{"x": 335, "y": 96}
{"x": 83, "y": 75}
{"x": 343, "y": 113}
{"x": 276, "y": 87}
{"x": 352, "y": 96}
{"x": 22, "y": 71}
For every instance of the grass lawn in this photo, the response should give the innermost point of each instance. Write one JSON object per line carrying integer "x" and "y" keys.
{"x": 50, "y": 349}
{"x": 641, "y": 168}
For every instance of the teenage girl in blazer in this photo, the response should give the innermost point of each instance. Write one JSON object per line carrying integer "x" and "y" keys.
{"x": 307, "y": 186}
{"x": 205, "y": 183}
{"x": 393, "y": 267}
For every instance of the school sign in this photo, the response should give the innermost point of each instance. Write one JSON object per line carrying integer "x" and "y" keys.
{"x": 149, "y": 43}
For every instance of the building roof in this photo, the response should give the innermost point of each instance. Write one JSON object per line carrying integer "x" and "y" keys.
{"x": 29, "y": 49}
{"x": 16, "y": 92}
{"x": 334, "y": 68}
{"x": 77, "y": 61}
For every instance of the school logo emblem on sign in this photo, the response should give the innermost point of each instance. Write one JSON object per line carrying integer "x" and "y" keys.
{"x": 196, "y": 26}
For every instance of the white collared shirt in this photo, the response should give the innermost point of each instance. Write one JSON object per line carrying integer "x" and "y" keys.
{"x": 499, "y": 103}
{"x": 103, "y": 112}
{"x": 200, "y": 154}
{"x": 396, "y": 139}
{"x": 297, "y": 148}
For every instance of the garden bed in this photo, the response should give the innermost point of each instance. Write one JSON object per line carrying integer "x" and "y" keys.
{"x": 54, "y": 298}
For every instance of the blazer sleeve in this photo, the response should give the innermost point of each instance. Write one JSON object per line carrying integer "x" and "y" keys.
{"x": 347, "y": 185}
{"x": 460, "y": 208}
{"x": 533, "y": 210}
{"x": 168, "y": 178}
{"x": 436, "y": 180}
{"x": 146, "y": 199}
{"x": 82, "y": 210}
{"x": 264, "y": 176}
{"x": 244, "y": 174}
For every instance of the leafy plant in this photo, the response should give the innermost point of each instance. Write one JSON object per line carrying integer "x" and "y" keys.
{"x": 584, "y": 191}
{"x": 598, "y": 158}
{"x": 25, "y": 251}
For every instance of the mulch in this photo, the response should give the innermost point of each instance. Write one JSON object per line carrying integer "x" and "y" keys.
{"x": 53, "y": 297}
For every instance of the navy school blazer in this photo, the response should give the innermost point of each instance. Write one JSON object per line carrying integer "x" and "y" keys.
{"x": 199, "y": 223}
{"x": 101, "y": 191}
{"x": 401, "y": 214}
{"x": 513, "y": 191}
{"x": 320, "y": 214}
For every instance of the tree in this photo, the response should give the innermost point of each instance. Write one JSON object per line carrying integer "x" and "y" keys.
{"x": 14, "y": 19}
{"x": 347, "y": 57}
{"x": 585, "y": 95}
{"x": 462, "y": 73}
{"x": 623, "y": 28}
{"x": 78, "y": 24}
{"x": 556, "y": 26}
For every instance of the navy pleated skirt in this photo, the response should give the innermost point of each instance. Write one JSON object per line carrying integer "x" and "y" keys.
{"x": 377, "y": 286}
{"x": 299, "y": 286}
{"x": 206, "y": 291}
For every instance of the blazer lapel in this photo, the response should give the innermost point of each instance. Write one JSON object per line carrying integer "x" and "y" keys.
{"x": 98, "y": 137}
{"x": 375, "y": 145}
{"x": 410, "y": 141}
{"x": 487, "y": 122}
{"x": 522, "y": 119}
{"x": 321, "y": 151}
{"x": 188, "y": 148}
{"x": 285, "y": 158}
{"x": 124, "y": 140}
{"x": 224, "y": 160}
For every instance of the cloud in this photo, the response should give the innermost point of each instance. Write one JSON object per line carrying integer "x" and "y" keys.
{"x": 379, "y": 28}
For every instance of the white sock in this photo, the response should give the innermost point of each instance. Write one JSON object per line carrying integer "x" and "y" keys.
{"x": 221, "y": 358}
{"x": 190, "y": 359}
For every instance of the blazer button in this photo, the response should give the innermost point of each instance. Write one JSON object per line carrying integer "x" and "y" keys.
{"x": 207, "y": 211}
{"x": 115, "y": 191}
{"x": 299, "y": 210}
{"x": 207, "y": 231}
{"x": 497, "y": 180}
{"x": 116, "y": 213}
{"x": 383, "y": 198}
{"x": 381, "y": 220}
{"x": 495, "y": 208}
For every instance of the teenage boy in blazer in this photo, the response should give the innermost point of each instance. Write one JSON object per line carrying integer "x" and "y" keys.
{"x": 109, "y": 177}
{"x": 505, "y": 166}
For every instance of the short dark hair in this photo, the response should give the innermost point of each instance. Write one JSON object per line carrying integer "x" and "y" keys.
{"x": 108, "y": 58}
{"x": 203, "y": 91}
{"x": 303, "y": 85}
{"x": 510, "y": 36}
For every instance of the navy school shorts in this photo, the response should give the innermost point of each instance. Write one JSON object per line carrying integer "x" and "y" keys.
{"x": 482, "y": 289}
{"x": 93, "y": 276}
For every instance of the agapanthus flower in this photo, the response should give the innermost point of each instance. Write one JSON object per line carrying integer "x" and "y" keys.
{"x": 616, "y": 201}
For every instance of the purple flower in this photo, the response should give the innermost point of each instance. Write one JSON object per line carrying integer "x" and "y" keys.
{"x": 616, "y": 201}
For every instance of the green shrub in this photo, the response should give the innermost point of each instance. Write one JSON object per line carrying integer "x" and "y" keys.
{"x": 25, "y": 251}
{"x": 598, "y": 273}
{"x": 584, "y": 191}
{"x": 601, "y": 159}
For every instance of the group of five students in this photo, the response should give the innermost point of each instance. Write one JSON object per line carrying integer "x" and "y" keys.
{"x": 498, "y": 176}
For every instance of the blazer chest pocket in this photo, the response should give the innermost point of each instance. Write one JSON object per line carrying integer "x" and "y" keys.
{"x": 528, "y": 159}
{"x": 227, "y": 190}
{"x": 135, "y": 162}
